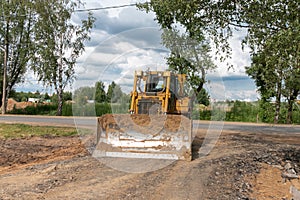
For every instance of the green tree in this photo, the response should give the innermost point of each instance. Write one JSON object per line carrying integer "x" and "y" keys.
{"x": 202, "y": 21}
{"x": 117, "y": 95}
{"x": 110, "y": 91}
{"x": 114, "y": 93}
{"x": 16, "y": 22}
{"x": 265, "y": 80}
{"x": 203, "y": 97}
{"x": 37, "y": 94}
{"x": 188, "y": 56}
{"x": 274, "y": 36}
{"x": 272, "y": 30}
{"x": 59, "y": 43}
{"x": 47, "y": 96}
{"x": 291, "y": 92}
{"x": 100, "y": 95}
{"x": 67, "y": 96}
{"x": 199, "y": 19}
{"x": 82, "y": 94}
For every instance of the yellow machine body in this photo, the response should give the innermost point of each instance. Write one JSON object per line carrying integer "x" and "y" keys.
{"x": 158, "y": 124}
{"x": 159, "y": 91}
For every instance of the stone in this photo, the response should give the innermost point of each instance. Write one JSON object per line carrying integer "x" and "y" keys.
{"x": 289, "y": 176}
{"x": 295, "y": 192}
{"x": 291, "y": 171}
{"x": 287, "y": 166}
{"x": 278, "y": 167}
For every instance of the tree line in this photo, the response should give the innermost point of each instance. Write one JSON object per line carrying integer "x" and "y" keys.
{"x": 82, "y": 95}
{"x": 98, "y": 94}
{"x": 42, "y": 97}
{"x": 84, "y": 101}
{"x": 98, "y": 100}
{"x": 240, "y": 111}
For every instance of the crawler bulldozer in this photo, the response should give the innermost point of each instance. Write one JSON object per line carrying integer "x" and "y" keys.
{"x": 157, "y": 124}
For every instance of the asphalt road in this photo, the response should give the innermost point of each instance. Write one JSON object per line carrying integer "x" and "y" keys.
{"x": 91, "y": 122}
{"x": 49, "y": 120}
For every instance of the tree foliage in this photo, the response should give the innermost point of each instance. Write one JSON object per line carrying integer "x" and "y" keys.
{"x": 203, "y": 97}
{"x": 110, "y": 91}
{"x": 188, "y": 56}
{"x": 16, "y": 22}
{"x": 100, "y": 95}
{"x": 202, "y": 21}
{"x": 274, "y": 39}
{"x": 272, "y": 34}
{"x": 114, "y": 93}
{"x": 41, "y": 34}
{"x": 59, "y": 43}
{"x": 82, "y": 94}
{"x": 199, "y": 18}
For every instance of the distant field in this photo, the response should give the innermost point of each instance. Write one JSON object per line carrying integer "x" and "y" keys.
{"x": 22, "y": 130}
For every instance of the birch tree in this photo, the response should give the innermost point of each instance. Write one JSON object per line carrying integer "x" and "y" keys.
{"x": 59, "y": 44}
{"x": 16, "y": 30}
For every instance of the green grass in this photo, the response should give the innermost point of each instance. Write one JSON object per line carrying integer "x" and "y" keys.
{"x": 22, "y": 130}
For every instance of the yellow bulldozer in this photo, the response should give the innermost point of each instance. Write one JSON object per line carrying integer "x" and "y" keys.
{"x": 157, "y": 125}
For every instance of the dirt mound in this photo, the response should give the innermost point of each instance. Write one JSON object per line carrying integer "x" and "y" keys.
{"x": 269, "y": 184}
{"x": 33, "y": 150}
{"x": 144, "y": 123}
{"x": 11, "y": 104}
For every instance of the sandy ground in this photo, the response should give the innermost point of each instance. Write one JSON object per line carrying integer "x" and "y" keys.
{"x": 241, "y": 166}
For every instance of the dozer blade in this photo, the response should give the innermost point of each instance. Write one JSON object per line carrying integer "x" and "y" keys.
{"x": 144, "y": 136}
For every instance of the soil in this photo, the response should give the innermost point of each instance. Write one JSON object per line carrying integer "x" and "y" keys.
{"x": 146, "y": 124}
{"x": 11, "y": 104}
{"x": 242, "y": 165}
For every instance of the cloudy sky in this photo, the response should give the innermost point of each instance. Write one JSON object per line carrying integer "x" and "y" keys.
{"x": 126, "y": 39}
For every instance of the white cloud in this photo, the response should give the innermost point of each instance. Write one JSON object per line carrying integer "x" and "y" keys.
{"x": 122, "y": 54}
{"x": 240, "y": 57}
{"x": 125, "y": 40}
{"x": 102, "y": 58}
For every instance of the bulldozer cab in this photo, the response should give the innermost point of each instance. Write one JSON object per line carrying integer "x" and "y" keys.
{"x": 163, "y": 90}
{"x": 156, "y": 83}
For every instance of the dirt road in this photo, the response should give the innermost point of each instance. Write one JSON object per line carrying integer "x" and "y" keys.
{"x": 242, "y": 165}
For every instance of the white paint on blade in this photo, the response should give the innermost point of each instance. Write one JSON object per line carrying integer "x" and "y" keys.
{"x": 99, "y": 154}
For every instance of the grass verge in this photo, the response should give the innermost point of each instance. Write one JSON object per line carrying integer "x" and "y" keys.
{"x": 23, "y": 130}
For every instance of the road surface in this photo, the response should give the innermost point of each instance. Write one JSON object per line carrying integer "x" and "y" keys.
{"x": 91, "y": 122}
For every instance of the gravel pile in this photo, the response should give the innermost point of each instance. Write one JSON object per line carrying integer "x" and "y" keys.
{"x": 231, "y": 172}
